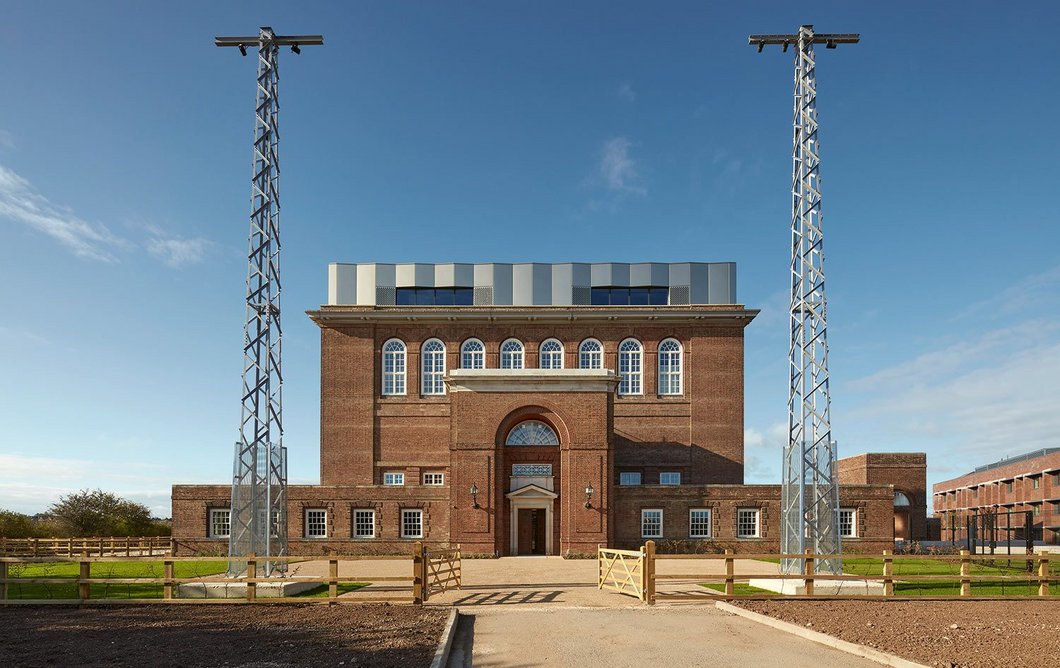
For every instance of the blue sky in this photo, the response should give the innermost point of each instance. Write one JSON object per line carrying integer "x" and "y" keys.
{"x": 588, "y": 131}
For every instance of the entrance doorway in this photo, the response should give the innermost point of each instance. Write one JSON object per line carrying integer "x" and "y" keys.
{"x": 531, "y": 539}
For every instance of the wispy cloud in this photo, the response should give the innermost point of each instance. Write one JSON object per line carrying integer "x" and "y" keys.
{"x": 618, "y": 169}
{"x": 626, "y": 92}
{"x": 177, "y": 252}
{"x": 763, "y": 452}
{"x": 21, "y": 203}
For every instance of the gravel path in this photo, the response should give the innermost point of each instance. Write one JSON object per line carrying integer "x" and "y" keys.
{"x": 239, "y": 636}
{"x": 936, "y": 633}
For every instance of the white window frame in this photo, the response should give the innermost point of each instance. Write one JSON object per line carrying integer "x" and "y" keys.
{"x": 624, "y": 480}
{"x": 358, "y": 514}
{"x": 473, "y": 354}
{"x": 432, "y": 368}
{"x": 644, "y": 527}
{"x": 214, "y": 512}
{"x": 756, "y": 514}
{"x": 671, "y": 366}
{"x": 513, "y": 354}
{"x": 405, "y": 524}
{"x": 394, "y": 478}
{"x": 675, "y": 477}
{"x": 631, "y": 368}
{"x": 708, "y": 523}
{"x": 394, "y": 377}
{"x": 311, "y": 524}
{"x": 433, "y": 478}
{"x": 553, "y": 354}
{"x": 590, "y": 354}
{"x": 853, "y": 529}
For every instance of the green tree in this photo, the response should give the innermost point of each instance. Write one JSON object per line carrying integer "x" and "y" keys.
{"x": 99, "y": 513}
{"x": 16, "y": 525}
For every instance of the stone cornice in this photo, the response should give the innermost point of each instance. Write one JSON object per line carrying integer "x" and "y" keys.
{"x": 728, "y": 315}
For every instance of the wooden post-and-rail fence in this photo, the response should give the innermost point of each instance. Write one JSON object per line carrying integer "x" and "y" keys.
{"x": 96, "y": 546}
{"x": 633, "y": 572}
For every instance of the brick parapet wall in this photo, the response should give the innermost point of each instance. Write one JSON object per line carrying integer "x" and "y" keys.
{"x": 906, "y": 471}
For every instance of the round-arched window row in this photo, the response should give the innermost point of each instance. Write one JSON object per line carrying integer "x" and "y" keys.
{"x": 551, "y": 356}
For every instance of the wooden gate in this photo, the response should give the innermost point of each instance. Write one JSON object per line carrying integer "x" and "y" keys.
{"x": 630, "y": 572}
{"x": 437, "y": 570}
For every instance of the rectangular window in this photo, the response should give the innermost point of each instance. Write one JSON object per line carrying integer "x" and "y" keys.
{"x": 364, "y": 524}
{"x": 1008, "y": 486}
{"x": 316, "y": 523}
{"x": 747, "y": 523}
{"x": 1036, "y": 482}
{"x": 670, "y": 478}
{"x": 394, "y": 478}
{"x": 412, "y": 523}
{"x": 848, "y": 518}
{"x": 1056, "y": 479}
{"x": 531, "y": 469}
{"x": 433, "y": 479}
{"x": 651, "y": 523}
{"x": 629, "y": 478}
{"x": 699, "y": 523}
{"x": 220, "y": 522}
{"x": 1037, "y": 509}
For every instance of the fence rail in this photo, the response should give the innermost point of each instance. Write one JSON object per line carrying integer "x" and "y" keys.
{"x": 129, "y": 546}
{"x": 436, "y": 570}
{"x": 634, "y": 573}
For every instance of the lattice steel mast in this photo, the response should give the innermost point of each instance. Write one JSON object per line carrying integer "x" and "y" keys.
{"x": 809, "y": 488}
{"x": 259, "y": 475}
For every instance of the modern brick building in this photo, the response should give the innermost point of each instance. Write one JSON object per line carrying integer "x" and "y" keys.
{"x": 538, "y": 409}
{"x": 1029, "y": 482}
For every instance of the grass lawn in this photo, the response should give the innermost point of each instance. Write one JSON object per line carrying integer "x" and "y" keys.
{"x": 911, "y": 566}
{"x": 739, "y": 589}
{"x": 322, "y": 590}
{"x": 116, "y": 569}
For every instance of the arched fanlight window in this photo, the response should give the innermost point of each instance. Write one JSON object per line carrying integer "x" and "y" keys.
{"x": 901, "y": 500}
{"x": 532, "y": 432}
{"x": 551, "y": 354}
{"x": 630, "y": 367}
{"x": 512, "y": 354}
{"x": 472, "y": 355}
{"x": 590, "y": 355}
{"x": 432, "y": 367}
{"x": 394, "y": 367}
{"x": 670, "y": 367}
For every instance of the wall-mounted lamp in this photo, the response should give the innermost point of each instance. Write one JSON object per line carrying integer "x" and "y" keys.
{"x": 474, "y": 495}
{"x": 589, "y": 495}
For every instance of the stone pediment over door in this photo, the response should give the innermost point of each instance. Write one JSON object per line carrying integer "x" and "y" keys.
{"x": 532, "y": 492}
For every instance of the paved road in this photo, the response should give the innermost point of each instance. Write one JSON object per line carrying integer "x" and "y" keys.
{"x": 519, "y": 636}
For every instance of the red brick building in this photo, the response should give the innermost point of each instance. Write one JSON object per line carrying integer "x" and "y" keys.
{"x": 537, "y": 409}
{"x": 1029, "y": 482}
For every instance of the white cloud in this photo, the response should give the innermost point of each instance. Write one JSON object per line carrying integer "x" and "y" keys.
{"x": 617, "y": 169}
{"x": 626, "y": 92}
{"x": 763, "y": 452}
{"x": 176, "y": 252}
{"x": 20, "y": 202}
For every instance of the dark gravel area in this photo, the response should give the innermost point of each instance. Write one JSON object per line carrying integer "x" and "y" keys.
{"x": 243, "y": 636}
{"x": 936, "y": 633}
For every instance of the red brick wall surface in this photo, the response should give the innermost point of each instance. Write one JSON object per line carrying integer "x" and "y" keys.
{"x": 906, "y": 471}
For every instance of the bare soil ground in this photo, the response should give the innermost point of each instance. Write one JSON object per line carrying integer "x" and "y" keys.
{"x": 935, "y": 633}
{"x": 238, "y": 636}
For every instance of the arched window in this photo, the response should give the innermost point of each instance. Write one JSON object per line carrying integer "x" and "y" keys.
{"x": 670, "y": 367}
{"x": 590, "y": 355}
{"x": 472, "y": 355}
{"x": 394, "y": 367}
{"x": 630, "y": 367}
{"x": 432, "y": 367}
{"x": 551, "y": 354}
{"x": 901, "y": 500}
{"x": 532, "y": 432}
{"x": 512, "y": 354}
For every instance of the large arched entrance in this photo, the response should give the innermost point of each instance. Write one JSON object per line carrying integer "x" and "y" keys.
{"x": 531, "y": 460}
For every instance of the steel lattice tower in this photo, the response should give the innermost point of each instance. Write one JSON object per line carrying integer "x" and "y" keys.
{"x": 259, "y": 475}
{"x": 809, "y": 487}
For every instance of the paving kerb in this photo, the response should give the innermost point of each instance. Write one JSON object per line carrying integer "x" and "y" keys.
{"x": 441, "y": 654}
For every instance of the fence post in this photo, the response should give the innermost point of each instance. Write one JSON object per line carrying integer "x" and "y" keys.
{"x": 649, "y": 572}
{"x": 599, "y": 567}
{"x": 84, "y": 589}
{"x": 807, "y": 578}
{"x": 419, "y": 593}
{"x": 70, "y": 548}
{"x": 333, "y": 572}
{"x": 730, "y": 583}
{"x": 252, "y": 574}
{"x": 167, "y": 573}
{"x": 36, "y": 547}
{"x": 888, "y": 572}
{"x": 460, "y": 562}
{"x": 3, "y": 580}
{"x": 966, "y": 572}
{"x": 1043, "y": 572}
